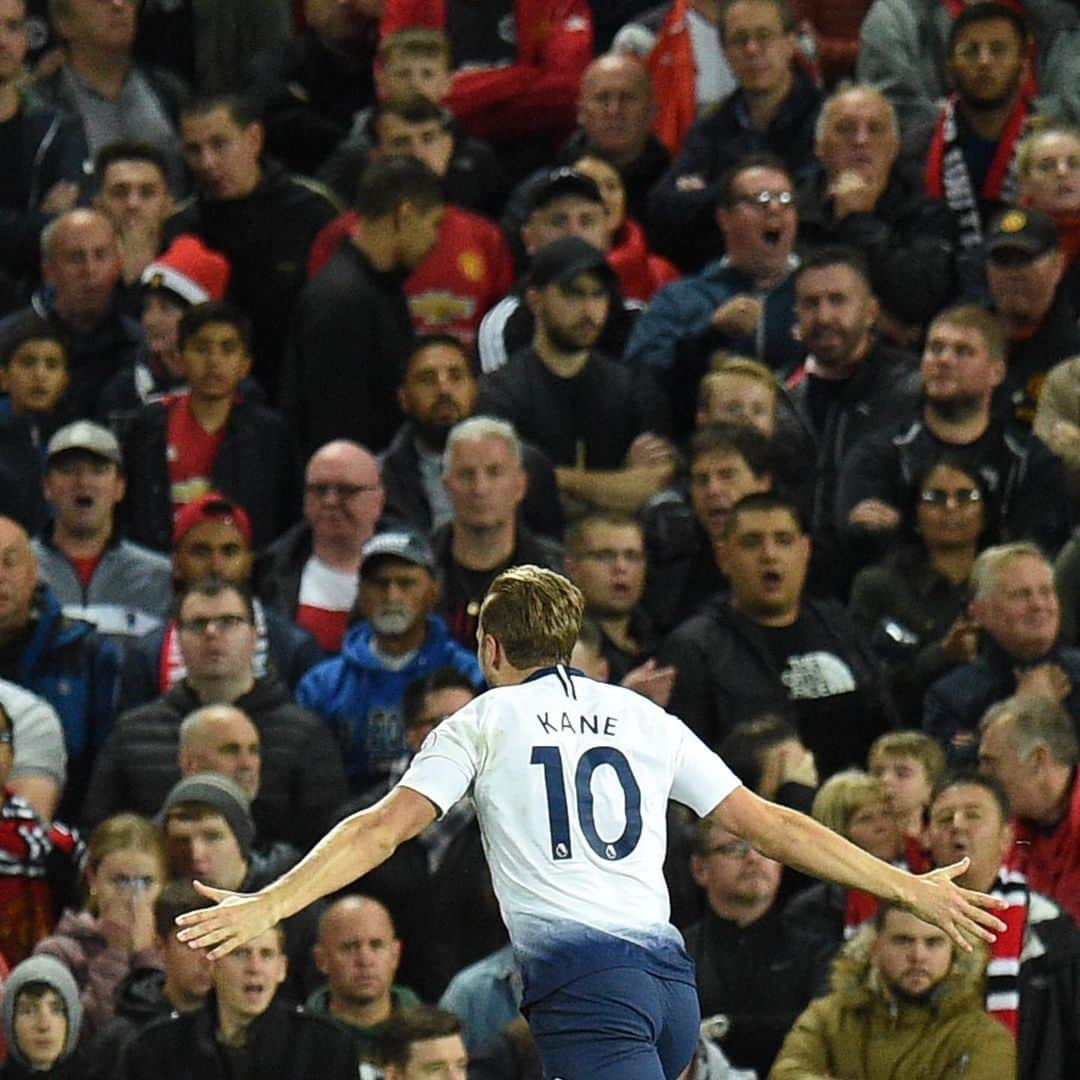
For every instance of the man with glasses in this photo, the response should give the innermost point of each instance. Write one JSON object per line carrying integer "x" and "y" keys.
{"x": 312, "y": 572}
{"x": 773, "y": 110}
{"x": 752, "y": 966}
{"x": 742, "y": 303}
{"x": 302, "y": 780}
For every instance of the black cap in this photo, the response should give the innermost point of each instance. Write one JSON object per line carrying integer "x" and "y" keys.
{"x": 402, "y": 545}
{"x": 1029, "y": 231}
{"x": 560, "y": 182}
{"x": 559, "y": 262}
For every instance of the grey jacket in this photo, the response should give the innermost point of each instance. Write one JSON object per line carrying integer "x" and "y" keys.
{"x": 129, "y": 595}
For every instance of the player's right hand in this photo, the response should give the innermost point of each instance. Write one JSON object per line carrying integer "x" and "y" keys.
{"x": 235, "y": 919}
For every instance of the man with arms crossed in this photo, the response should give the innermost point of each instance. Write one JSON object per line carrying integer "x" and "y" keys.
{"x": 571, "y": 780}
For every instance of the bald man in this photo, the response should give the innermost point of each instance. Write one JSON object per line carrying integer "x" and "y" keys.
{"x": 61, "y": 660}
{"x": 358, "y": 951}
{"x": 312, "y": 572}
{"x": 80, "y": 268}
{"x": 222, "y": 739}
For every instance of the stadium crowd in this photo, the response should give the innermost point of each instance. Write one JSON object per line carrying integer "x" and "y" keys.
{"x": 758, "y": 319}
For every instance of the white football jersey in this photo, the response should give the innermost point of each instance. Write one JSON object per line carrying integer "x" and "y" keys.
{"x": 571, "y": 780}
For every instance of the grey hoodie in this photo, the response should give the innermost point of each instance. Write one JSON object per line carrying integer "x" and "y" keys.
{"x": 46, "y": 969}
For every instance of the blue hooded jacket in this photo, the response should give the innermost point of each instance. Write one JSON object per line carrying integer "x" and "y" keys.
{"x": 361, "y": 700}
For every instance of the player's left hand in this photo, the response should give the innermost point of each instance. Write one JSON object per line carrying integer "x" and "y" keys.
{"x": 235, "y": 919}
{"x": 963, "y": 914}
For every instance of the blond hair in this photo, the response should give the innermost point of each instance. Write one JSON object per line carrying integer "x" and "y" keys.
{"x": 912, "y": 744}
{"x": 843, "y": 795}
{"x": 415, "y": 41}
{"x": 986, "y": 324}
{"x": 534, "y": 614}
{"x": 1040, "y": 127}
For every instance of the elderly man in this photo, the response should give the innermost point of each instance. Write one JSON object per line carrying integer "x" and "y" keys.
{"x": 859, "y": 195}
{"x": 1016, "y": 606}
{"x": 80, "y": 267}
{"x": 61, "y": 660}
{"x": 358, "y": 951}
{"x": 486, "y": 484}
{"x": 311, "y": 572}
{"x": 616, "y": 109}
{"x": 358, "y": 694}
{"x": 221, "y": 739}
{"x": 1029, "y": 746}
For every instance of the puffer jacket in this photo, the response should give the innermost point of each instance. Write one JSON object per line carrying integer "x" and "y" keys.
{"x": 860, "y": 1029}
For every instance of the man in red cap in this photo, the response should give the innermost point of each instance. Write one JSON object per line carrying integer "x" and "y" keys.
{"x": 212, "y": 537}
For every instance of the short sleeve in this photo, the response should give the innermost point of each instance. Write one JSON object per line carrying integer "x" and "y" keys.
{"x": 39, "y": 736}
{"x": 702, "y": 780}
{"x": 448, "y": 761}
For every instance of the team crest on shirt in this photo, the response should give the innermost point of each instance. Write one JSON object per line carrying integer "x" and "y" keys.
{"x": 472, "y": 265}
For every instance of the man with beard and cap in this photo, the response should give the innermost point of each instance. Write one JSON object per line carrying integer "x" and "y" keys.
{"x": 438, "y": 391}
{"x": 310, "y": 573}
{"x": 42, "y": 1015}
{"x": 602, "y": 423}
{"x": 358, "y": 694}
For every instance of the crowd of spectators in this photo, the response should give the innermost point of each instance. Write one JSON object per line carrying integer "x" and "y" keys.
{"x": 759, "y": 319}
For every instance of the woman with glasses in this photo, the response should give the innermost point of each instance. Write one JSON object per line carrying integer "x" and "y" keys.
{"x": 912, "y": 605}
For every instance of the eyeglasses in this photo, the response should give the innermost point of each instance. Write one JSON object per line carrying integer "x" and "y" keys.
{"x": 763, "y": 38}
{"x": 733, "y": 849}
{"x": 201, "y": 624}
{"x": 7, "y": 738}
{"x": 765, "y": 199}
{"x": 339, "y": 491}
{"x": 609, "y": 556}
{"x": 960, "y": 497}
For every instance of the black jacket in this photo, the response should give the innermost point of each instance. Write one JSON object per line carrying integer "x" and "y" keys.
{"x": 303, "y": 779}
{"x": 683, "y": 223}
{"x": 406, "y": 502}
{"x": 139, "y": 999}
{"x": 907, "y": 237}
{"x": 266, "y": 236}
{"x": 708, "y": 648}
{"x": 760, "y": 976}
{"x": 282, "y": 1042}
{"x": 351, "y": 336}
{"x": 256, "y": 466}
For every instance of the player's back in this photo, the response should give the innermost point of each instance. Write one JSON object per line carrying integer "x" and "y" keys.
{"x": 571, "y": 780}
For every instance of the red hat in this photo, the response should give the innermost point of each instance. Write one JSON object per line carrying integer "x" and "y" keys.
{"x": 212, "y": 507}
{"x": 189, "y": 269}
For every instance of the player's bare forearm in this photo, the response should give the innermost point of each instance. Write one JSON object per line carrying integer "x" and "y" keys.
{"x": 624, "y": 489}
{"x": 805, "y": 844}
{"x": 353, "y": 847}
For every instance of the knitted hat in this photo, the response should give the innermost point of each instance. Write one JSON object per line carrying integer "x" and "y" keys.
{"x": 190, "y": 270}
{"x": 213, "y": 506}
{"x": 222, "y": 794}
{"x": 48, "y": 970}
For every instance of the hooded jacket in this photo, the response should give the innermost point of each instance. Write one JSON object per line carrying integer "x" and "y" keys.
{"x": 861, "y": 1029}
{"x": 360, "y": 698}
{"x": 140, "y": 998}
{"x": 48, "y": 970}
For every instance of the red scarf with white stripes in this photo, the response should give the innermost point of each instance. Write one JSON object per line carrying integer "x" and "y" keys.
{"x": 1003, "y": 970}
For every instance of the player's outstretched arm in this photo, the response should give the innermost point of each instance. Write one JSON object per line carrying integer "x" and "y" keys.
{"x": 353, "y": 847}
{"x": 806, "y": 845}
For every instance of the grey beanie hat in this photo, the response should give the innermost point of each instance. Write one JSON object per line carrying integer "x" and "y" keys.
{"x": 49, "y": 970}
{"x": 222, "y": 793}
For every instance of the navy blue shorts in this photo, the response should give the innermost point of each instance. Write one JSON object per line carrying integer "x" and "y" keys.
{"x": 618, "y": 1024}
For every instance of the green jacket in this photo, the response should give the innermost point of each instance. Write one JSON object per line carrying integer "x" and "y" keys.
{"x": 860, "y": 1032}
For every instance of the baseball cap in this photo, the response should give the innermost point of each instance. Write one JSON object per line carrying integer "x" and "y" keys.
{"x": 223, "y": 794}
{"x": 560, "y": 182}
{"x": 564, "y": 259}
{"x": 1029, "y": 231}
{"x": 212, "y": 507}
{"x": 190, "y": 270}
{"x": 402, "y": 545}
{"x": 84, "y": 435}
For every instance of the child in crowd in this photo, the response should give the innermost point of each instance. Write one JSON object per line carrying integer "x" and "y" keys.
{"x": 42, "y": 1016}
{"x": 909, "y": 764}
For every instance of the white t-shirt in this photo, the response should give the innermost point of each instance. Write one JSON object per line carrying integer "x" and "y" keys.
{"x": 571, "y": 780}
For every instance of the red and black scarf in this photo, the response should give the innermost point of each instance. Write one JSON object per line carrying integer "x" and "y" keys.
{"x": 1003, "y": 970}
